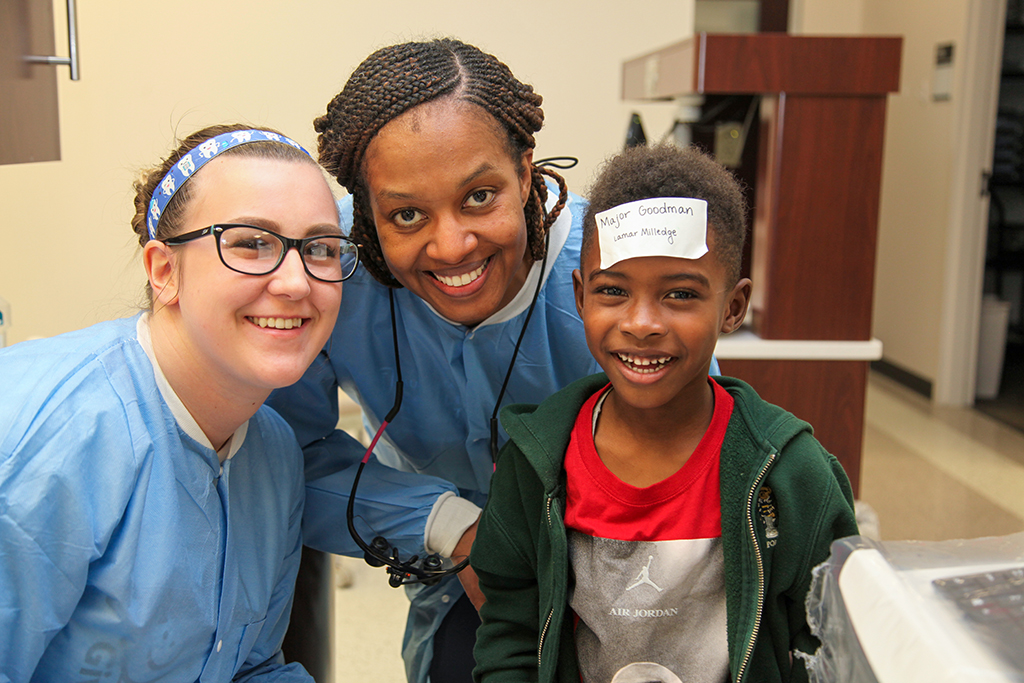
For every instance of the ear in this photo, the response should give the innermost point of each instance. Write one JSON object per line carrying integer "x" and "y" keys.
{"x": 158, "y": 258}
{"x": 577, "y": 290}
{"x": 526, "y": 176}
{"x": 736, "y": 306}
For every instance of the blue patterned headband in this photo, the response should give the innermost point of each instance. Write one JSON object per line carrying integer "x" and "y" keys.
{"x": 196, "y": 159}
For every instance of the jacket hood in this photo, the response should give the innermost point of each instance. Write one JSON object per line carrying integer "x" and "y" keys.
{"x": 542, "y": 433}
{"x": 775, "y": 427}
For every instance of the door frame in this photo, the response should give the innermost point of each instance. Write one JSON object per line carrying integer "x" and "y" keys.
{"x": 968, "y": 217}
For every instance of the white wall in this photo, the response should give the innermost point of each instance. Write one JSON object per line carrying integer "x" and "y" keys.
{"x": 826, "y": 17}
{"x": 919, "y": 183}
{"x": 921, "y": 141}
{"x": 151, "y": 71}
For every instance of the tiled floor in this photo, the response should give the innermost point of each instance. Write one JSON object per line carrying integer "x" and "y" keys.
{"x": 368, "y": 626}
{"x": 929, "y": 473}
{"x": 935, "y": 473}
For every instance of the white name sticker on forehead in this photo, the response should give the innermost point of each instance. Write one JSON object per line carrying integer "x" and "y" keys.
{"x": 661, "y": 226}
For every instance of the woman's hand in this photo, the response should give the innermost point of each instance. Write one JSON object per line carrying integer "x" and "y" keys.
{"x": 467, "y": 576}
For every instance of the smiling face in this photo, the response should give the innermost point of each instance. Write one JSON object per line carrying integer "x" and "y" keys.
{"x": 247, "y": 333}
{"x": 652, "y": 323}
{"x": 447, "y": 199}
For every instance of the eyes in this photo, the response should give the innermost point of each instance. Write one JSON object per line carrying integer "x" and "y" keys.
{"x": 406, "y": 218}
{"x": 409, "y": 217}
{"x": 479, "y": 198}
{"x": 613, "y": 292}
{"x": 256, "y": 246}
{"x": 247, "y": 245}
{"x": 323, "y": 249}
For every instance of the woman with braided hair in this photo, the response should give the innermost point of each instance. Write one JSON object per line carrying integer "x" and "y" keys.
{"x": 460, "y": 232}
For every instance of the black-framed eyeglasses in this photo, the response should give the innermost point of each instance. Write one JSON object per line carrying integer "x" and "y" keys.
{"x": 257, "y": 251}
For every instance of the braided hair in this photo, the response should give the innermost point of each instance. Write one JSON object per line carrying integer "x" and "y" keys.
{"x": 393, "y": 80}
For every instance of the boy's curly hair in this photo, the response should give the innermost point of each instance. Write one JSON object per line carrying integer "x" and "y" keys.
{"x": 669, "y": 171}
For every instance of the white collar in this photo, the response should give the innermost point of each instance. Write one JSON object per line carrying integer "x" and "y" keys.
{"x": 598, "y": 407}
{"x": 181, "y": 415}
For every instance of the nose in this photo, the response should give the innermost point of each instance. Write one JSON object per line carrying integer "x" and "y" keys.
{"x": 642, "y": 319}
{"x": 451, "y": 240}
{"x": 290, "y": 278}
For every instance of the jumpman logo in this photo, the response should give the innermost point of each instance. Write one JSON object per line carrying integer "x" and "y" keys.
{"x": 644, "y": 577}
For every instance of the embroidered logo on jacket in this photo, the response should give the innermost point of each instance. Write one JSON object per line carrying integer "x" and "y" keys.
{"x": 768, "y": 514}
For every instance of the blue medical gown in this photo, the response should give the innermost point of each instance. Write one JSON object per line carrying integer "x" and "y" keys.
{"x": 440, "y": 439}
{"x": 127, "y": 553}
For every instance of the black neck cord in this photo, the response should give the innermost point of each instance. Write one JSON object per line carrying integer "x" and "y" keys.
{"x": 398, "y": 366}
{"x": 515, "y": 353}
{"x": 379, "y": 552}
{"x": 557, "y": 162}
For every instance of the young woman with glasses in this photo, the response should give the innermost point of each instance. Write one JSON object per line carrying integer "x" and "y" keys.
{"x": 150, "y": 507}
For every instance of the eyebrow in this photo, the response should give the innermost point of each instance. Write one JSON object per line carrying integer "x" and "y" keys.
{"x": 273, "y": 226}
{"x": 674, "y": 277}
{"x": 485, "y": 167}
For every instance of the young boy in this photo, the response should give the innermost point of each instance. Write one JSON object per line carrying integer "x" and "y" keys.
{"x": 651, "y": 523}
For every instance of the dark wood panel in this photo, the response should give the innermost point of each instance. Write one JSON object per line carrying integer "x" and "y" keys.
{"x": 830, "y": 395}
{"x": 776, "y": 62}
{"x": 817, "y": 217}
{"x": 29, "y": 127}
{"x": 774, "y": 17}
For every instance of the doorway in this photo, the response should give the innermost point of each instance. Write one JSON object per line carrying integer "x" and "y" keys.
{"x": 1000, "y": 390}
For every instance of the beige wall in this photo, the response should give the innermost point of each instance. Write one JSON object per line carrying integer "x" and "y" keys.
{"x": 917, "y": 182}
{"x": 917, "y": 177}
{"x": 150, "y": 70}
{"x": 153, "y": 70}
{"x": 826, "y": 17}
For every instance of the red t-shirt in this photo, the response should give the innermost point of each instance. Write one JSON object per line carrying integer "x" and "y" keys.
{"x": 649, "y": 591}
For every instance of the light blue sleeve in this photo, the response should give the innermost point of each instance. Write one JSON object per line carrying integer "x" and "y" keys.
{"x": 55, "y": 517}
{"x": 331, "y": 459}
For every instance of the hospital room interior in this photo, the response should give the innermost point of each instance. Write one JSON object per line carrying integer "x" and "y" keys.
{"x": 887, "y": 219}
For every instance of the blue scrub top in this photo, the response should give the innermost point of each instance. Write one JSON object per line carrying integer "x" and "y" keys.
{"x": 127, "y": 551}
{"x": 440, "y": 440}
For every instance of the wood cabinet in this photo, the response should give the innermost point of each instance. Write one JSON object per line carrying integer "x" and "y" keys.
{"x": 29, "y": 124}
{"x": 819, "y": 165}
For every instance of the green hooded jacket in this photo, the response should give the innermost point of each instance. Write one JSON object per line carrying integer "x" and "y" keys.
{"x": 521, "y": 552}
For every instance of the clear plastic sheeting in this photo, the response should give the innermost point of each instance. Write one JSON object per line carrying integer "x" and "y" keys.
{"x": 881, "y": 618}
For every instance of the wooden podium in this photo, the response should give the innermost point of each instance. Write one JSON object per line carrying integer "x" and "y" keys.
{"x": 819, "y": 166}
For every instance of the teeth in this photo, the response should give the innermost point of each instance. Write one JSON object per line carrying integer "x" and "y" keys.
{"x": 461, "y": 280}
{"x": 278, "y": 323}
{"x": 643, "y": 365}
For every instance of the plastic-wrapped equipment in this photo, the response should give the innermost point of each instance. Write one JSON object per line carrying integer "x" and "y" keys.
{"x": 909, "y": 611}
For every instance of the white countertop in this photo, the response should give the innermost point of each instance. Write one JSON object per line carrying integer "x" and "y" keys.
{"x": 745, "y": 344}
